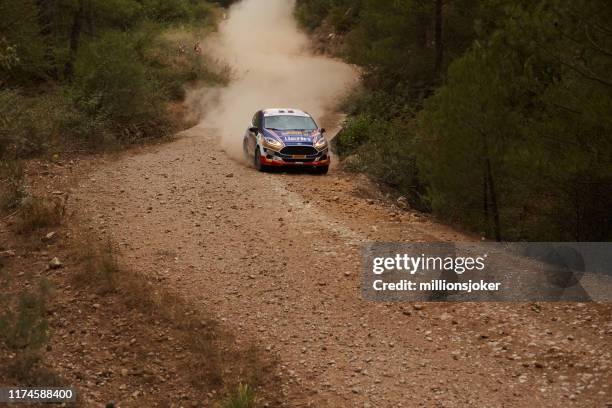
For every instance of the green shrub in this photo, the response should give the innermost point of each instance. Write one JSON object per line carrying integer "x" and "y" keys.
{"x": 88, "y": 123}
{"x": 22, "y": 48}
{"x": 203, "y": 13}
{"x": 103, "y": 82}
{"x": 516, "y": 145}
{"x": 28, "y": 123}
{"x": 8, "y": 55}
{"x": 311, "y": 13}
{"x": 226, "y": 3}
{"x": 176, "y": 70}
{"x": 369, "y": 110}
{"x": 118, "y": 13}
{"x": 385, "y": 150}
{"x": 113, "y": 85}
{"x": 343, "y": 14}
{"x": 356, "y": 132}
{"x": 512, "y": 100}
{"x": 168, "y": 10}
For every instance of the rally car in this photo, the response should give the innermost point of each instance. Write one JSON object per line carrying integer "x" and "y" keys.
{"x": 286, "y": 137}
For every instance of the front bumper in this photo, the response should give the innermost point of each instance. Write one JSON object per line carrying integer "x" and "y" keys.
{"x": 273, "y": 158}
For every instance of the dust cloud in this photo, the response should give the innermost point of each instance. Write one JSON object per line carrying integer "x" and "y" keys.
{"x": 272, "y": 67}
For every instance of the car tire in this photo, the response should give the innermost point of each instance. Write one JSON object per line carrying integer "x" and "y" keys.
{"x": 322, "y": 170}
{"x": 257, "y": 161}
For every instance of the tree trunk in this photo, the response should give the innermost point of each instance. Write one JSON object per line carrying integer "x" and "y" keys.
{"x": 485, "y": 202}
{"x": 438, "y": 39}
{"x": 46, "y": 15}
{"x": 577, "y": 212}
{"x": 75, "y": 34}
{"x": 494, "y": 207}
{"x": 91, "y": 30}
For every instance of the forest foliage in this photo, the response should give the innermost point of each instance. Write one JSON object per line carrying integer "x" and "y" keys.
{"x": 493, "y": 114}
{"x": 96, "y": 72}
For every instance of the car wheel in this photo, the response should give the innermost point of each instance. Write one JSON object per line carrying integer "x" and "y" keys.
{"x": 322, "y": 170}
{"x": 257, "y": 160}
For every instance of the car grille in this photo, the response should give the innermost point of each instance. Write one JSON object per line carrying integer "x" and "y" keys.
{"x": 298, "y": 160}
{"x": 299, "y": 150}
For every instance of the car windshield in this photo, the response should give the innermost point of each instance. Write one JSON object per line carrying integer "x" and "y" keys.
{"x": 288, "y": 122}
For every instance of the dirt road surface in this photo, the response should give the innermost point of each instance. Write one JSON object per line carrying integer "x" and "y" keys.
{"x": 276, "y": 259}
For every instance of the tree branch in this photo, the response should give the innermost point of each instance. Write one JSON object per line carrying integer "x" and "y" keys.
{"x": 592, "y": 77}
{"x": 595, "y": 45}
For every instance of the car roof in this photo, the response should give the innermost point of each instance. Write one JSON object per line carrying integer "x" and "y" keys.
{"x": 285, "y": 112}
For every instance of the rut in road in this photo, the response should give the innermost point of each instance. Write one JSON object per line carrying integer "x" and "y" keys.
{"x": 276, "y": 257}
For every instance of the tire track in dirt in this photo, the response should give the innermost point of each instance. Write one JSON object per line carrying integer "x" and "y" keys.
{"x": 275, "y": 257}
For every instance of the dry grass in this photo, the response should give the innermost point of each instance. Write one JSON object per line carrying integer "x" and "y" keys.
{"x": 12, "y": 185}
{"x": 215, "y": 362}
{"x": 23, "y": 334}
{"x": 99, "y": 269}
{"x": 242, "y": 397}
{"x": 39, "y": 212}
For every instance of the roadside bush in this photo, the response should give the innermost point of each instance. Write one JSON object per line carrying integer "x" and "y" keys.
{"x": 517, "y": 143}
{"x": 342, "y": 14}
{"x": 102, "y": 83}
{"x": 22, "y": 50}
{"x": 357, "y": 131}
{"x": 89, "y": 125}
{"x": 8, "y": 55}
{"x": 118, "y": 13}
{"x": 176, "y": 70}
{"x": 508, "y": 110}
{"x": 168, "y": 10}
{"x": 32, "y": 125}
{"x": 28, "y": 123}
{"x": 112, "y": 82}
{"x": 203, "y": 13}
{"x": 171, "y": 10}
{"x": 311, "y": 13}
{"x": 385, "y": 150}
{"x": 379, "y": 139}
{"x": 225, "y": 3}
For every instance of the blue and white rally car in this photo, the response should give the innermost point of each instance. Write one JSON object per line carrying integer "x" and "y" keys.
{"x": 286, "y": 137}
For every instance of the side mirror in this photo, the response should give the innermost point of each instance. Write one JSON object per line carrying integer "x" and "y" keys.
{"x": 253, "y": 129}
{"x": 322, "y": 130}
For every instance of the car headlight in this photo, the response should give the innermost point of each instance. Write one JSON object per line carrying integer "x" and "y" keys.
{"x": 273, "y": 143}
{"x": 321, "y": 144}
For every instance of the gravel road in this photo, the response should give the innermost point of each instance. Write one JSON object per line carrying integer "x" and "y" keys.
{"x": 276, "y": 258}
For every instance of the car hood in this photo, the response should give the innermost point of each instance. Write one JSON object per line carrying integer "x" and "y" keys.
{"x": 294, "y": 137}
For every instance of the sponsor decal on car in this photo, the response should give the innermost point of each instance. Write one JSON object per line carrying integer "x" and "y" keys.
{"x": 296, "y": 139}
